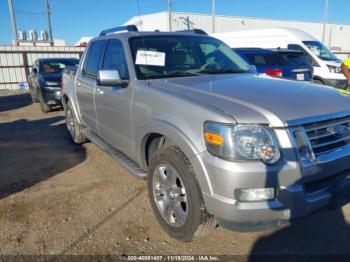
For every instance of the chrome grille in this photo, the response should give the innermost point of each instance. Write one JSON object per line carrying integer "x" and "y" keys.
{"x": 329, "y": 135}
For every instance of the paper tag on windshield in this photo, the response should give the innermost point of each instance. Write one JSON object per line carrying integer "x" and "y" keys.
{"x": 150, "y": 58}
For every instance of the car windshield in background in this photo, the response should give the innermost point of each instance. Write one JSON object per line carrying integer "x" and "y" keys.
{"x": 320, "y": 50}
{"x": 267, "y": 59}
{"x": 56, "y": 66}
{"x": 177, "y": 56}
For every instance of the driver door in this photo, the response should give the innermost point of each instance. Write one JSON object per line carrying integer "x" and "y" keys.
{"x": 113, "y": 103}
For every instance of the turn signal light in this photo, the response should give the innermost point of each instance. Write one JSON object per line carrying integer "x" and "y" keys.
{"x": 215, "y": 139}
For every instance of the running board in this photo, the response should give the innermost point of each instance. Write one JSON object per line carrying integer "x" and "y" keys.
{"x": 125, "y": 161}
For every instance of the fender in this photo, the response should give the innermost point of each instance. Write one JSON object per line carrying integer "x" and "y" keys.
{"x": 175, "y": 134}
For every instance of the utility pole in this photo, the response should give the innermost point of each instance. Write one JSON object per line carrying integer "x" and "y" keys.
{"x": 213, "y": 16}
{"x": 48, "y": 15}
{"x": 13, "y": 22}
{"x": 170, "y": 9}
{"x": 325, "y": 20}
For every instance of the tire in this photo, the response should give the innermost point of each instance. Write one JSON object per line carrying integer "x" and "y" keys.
{"x": 74, "y": 129}
{"x": 43, "y": 106}
{"x": 319, "y": 82}
{"x": 172, "y": 183}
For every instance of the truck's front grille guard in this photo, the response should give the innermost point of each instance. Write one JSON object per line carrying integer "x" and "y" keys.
{"x": 319, "y": 138}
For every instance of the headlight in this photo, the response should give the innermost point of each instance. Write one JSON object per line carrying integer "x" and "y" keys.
{"x": 242, "y": 142}
{"x": 334, "y": 69}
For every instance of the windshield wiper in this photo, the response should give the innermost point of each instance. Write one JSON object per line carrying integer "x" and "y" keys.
{"x": 222, "y": 71}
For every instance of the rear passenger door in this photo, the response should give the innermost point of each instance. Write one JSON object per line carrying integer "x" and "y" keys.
{"x": 113, "y": 103}
{"x": 86, "y": 82}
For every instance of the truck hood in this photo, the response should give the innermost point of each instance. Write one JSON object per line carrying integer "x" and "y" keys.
{"x": 250, "y": 98}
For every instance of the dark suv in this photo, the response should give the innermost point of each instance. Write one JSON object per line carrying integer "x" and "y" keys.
{"x": 45, "y": 81}
{"x": 278, "y": 62}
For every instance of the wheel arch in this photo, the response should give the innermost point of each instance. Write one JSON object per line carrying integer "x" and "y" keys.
{"x": 158, "y": 132}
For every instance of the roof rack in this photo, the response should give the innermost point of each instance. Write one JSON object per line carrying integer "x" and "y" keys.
{"x": 127, "y": 28}
{"x": 194, "y": 31}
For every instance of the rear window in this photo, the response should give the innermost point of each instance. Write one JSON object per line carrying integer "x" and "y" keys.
{"x": 266, "y": 59}
{"x": 296, "y": 59}
{"x": 56, "y": 66}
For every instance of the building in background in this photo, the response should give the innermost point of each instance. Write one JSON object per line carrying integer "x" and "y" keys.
{"x": 337, "y": 36}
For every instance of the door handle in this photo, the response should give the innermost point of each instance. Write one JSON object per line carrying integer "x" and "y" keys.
{"x": 78, "y": 83}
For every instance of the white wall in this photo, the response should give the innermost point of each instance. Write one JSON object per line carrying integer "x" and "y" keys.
{"x": 337, "y": 35}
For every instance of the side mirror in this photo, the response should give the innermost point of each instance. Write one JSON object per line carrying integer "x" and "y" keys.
{"x": 253, "y": 68}
{"x": 34, "y": 70}
{"x": 110, "y": 78}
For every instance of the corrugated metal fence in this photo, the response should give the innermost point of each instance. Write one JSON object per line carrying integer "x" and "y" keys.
{"x": 16, "y": 61}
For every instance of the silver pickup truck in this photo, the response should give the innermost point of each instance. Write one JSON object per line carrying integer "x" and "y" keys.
{"x": 217, "y": 143}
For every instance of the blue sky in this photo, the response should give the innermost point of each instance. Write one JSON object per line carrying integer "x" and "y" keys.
{"x": 72, "y": 19}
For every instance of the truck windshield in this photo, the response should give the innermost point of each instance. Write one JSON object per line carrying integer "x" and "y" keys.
{"x": 180, "y": 55}
{"x": 320, "y": 50}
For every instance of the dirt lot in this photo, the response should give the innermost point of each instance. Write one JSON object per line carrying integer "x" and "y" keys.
{"x": 60, "y": 198}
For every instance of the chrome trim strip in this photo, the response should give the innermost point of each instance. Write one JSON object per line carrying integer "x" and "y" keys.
{"x": 327, "y": 125}
{"x": 331, "y": 142}
{"x": 315, "y": 119}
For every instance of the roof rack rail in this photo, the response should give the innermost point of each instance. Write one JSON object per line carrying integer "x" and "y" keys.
{"x": 127, "y": 28}
{"x": 194, "y": 31}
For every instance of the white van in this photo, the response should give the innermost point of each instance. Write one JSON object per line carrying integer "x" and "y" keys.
{"x": 327, "y": 69}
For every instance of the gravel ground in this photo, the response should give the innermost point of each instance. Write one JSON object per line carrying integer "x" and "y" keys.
{"x": 60, "y": 198}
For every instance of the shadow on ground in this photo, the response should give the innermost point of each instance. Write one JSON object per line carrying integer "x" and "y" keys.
{"x": 14, "y": 102}
{"x": 33, "y": 151}
{"x": 323, "y": 233}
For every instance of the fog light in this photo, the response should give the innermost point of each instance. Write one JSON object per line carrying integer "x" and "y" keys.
{"x": 252, "y": 195}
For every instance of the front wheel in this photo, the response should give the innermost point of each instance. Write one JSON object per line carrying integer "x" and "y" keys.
{"x": 175, "y": 196}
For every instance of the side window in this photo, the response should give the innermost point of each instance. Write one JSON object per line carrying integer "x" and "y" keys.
{"x": 92, "y": 62}
{"x": 296, "y": 47}
{"x": 115, "y": 59}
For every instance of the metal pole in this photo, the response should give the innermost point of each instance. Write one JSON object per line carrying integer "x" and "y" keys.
{"x": 213, "y": 16}
{"x": 48, "y": 15}
{"x": 325, "y": 20}
{"x": 170, "y": 8}
{"x": 13, "y": 22}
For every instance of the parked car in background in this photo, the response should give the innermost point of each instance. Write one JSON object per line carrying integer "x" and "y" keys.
{"x": 326, "y": 65}
{"x": 279, "y": 63}
{"x": 216, "y": 142}
{"x": 45, "y": 81}
{"x": 297, "y": 58}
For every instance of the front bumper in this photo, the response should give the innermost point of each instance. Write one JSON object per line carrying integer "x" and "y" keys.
{"x": 52, "y": 95}
{"x": 337, "y": 83}
{"x": 295, "y": 196}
